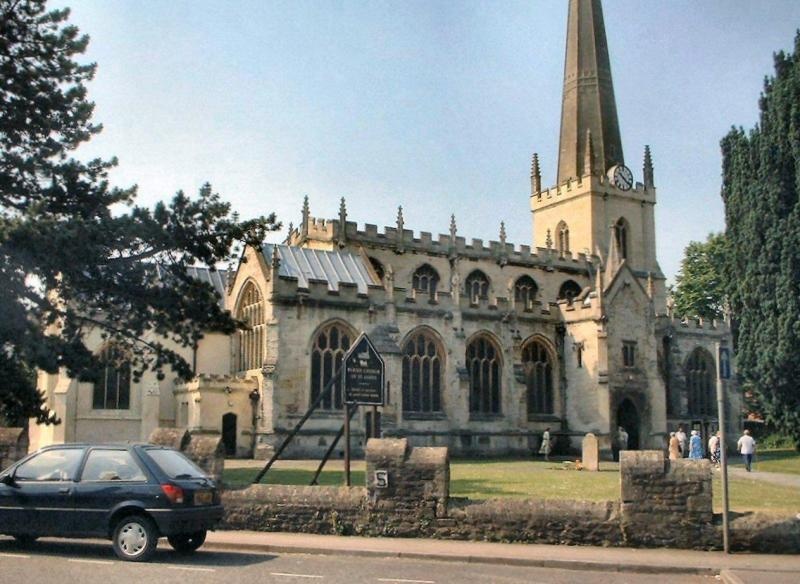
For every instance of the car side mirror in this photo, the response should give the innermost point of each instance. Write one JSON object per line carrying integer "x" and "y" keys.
{"x": 8, "y": 479}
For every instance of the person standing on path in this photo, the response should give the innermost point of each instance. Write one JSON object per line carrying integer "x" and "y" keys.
{"x": 747, "y": 446}
{"x": 674, "y": 447}
{"x": 681, "y": 436}
{"x": 695, "y": 446}
{"x": 713, "y": 448}
{"x": 545, "y": 447}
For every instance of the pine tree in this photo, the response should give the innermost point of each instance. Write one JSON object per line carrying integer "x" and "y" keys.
{"x": 68, "y": 264}
{"x": 761, "y": 180}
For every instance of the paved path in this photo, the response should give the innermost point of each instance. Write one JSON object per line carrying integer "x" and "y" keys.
{"x": 548, "y": 556}
{"x": 777, "y": 478}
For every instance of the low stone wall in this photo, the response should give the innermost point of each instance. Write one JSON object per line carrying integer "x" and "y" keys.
{"x": 663, "y": 504}
{"x": 324, "y": 510}
{"x": 13, "y": 445}
{"x": 206, "y": 450}
{"x": 666, "y": 503}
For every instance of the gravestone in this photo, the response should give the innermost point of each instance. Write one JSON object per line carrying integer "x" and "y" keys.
{"x": 591, "y": 453}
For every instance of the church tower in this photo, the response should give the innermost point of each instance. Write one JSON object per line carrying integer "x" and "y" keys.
{"x": 596, "y": 196}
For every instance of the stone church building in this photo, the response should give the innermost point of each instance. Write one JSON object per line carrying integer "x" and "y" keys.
{"x": 486, "y": 344}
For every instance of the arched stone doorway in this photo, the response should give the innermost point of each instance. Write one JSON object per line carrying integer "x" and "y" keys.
{"x": 628, "y": 418}
{"x": 229, "y": 433}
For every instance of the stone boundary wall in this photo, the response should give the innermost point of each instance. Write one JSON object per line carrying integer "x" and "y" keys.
{"x": 206, "y": 450}
{"x": 13, "y": 445}
{"x": 407, "y": 495}
{"x": 666, "y": 503}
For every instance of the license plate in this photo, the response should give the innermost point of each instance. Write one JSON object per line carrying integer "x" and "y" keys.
{"x": 202, "y": 497}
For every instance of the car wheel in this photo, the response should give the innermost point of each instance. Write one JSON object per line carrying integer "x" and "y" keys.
{"x": 24, "y": 539}
{"x": 135, "y": 538}
{"x": 186, "y": 543}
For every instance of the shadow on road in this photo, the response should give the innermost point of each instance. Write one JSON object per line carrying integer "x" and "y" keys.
{"x": 102, "y": 550}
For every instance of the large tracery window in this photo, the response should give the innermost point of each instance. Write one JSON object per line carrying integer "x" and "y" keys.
{"x": 477, "y": 286}
{"x": 525, "y": 292}
{"x": 112, "y": 381}
{"x": 538, "y": 378}
{"x": 483, "y": 364}
{"x": 700, "y": 379}
{"x": 422, "y": 374}
{"x": 327, "y": 353}
{"x": 251, "y": 339}
{"x": 425, "y": 279}
{"x": 621, "y": 232}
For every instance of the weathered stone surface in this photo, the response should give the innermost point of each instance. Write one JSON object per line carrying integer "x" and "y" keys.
{"x": 666, "y": 502}
{"x": 176, "y": 438}
{"x": 208, "y": 452}
{"x": 13, "y": 445}
{"x": 663, "y": 505}
{"x": 590, "y": 458}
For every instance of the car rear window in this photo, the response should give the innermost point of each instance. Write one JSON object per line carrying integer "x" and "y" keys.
{"x": 111, "y": 465}
{"x": 174, "y": 464}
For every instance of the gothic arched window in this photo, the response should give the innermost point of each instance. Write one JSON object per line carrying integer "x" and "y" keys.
{"x": 700, "y": 378}
{"x": 423, "y": 365}
{"x": 327, "y": 352}
{"x": 251, "y": 339}
{"x": 425, "y": 279}
{"x": 538, "y": 378}
{"x": 476, "y": 286}
{"x": 562, "y": 238}
{"x": 621, "y": 232}
{"x": 485, "y": 368}
{"x": 569, "y": 291}
{"x": 112, "y": 381}
{"x": 525, "y": 290}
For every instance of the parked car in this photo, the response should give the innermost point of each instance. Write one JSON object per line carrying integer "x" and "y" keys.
{"x": 131, "y": 493}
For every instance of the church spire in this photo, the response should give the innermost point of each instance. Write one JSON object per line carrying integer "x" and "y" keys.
{"x": 588, "y": 101}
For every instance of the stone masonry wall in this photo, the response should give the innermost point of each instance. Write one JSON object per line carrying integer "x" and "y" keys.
{"x": 13, "y": 445}
{"x": 206, "y": 450}
{"x": 666, "y": 502}
{"x": 662, "y": 504}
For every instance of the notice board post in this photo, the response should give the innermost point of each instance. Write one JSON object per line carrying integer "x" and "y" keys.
{"x": 363, "y": 383}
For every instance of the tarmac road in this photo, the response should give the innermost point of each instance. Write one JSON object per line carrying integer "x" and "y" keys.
{"x": 91, "y": 562}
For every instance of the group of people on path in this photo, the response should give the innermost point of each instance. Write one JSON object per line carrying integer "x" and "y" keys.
{"x": 678, "y": 447}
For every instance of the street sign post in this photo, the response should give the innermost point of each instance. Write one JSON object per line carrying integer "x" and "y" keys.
{"x": 363, "y": 383}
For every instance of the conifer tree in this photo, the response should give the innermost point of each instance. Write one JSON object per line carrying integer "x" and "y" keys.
{"x": 761, "y": 181}
{"x": 68, "y": 263}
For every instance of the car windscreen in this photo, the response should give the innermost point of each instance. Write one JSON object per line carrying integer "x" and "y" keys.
{"x": 174, "y": 464}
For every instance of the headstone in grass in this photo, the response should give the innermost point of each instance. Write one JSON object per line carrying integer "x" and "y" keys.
{"x": 591, "y": 453}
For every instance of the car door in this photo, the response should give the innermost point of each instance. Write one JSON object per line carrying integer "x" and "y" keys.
{"x": 110, "y": 476}
{"x": 44, "y": 487}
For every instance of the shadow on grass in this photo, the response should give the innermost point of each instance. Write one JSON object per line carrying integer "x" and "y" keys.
{"x": 238, "y": 477}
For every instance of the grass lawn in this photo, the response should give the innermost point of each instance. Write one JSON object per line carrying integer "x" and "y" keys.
{"x": 522, "y": 479}
{"x": 783, "y": 460}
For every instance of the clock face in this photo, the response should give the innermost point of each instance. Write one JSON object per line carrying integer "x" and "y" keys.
{"x": 622, "y": 177}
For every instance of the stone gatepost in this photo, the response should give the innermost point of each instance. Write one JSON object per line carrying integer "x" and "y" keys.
{"x": 590, "y": 458}
{"x": 13, "y": 445}
{"x": 666, "y": 503}
{"x": 206, "y": 450}
{"x": 408, "y": 488}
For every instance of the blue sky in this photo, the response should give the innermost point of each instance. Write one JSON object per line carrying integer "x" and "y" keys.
{"x": 433, "y": 105}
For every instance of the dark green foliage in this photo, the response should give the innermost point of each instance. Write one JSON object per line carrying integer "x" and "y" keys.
{"x": 761, "y": 180}
{"x": 700, "y": 288}
{"x": 76, "y": 254}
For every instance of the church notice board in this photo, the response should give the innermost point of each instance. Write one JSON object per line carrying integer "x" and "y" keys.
{"x": 363, "y": 374}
